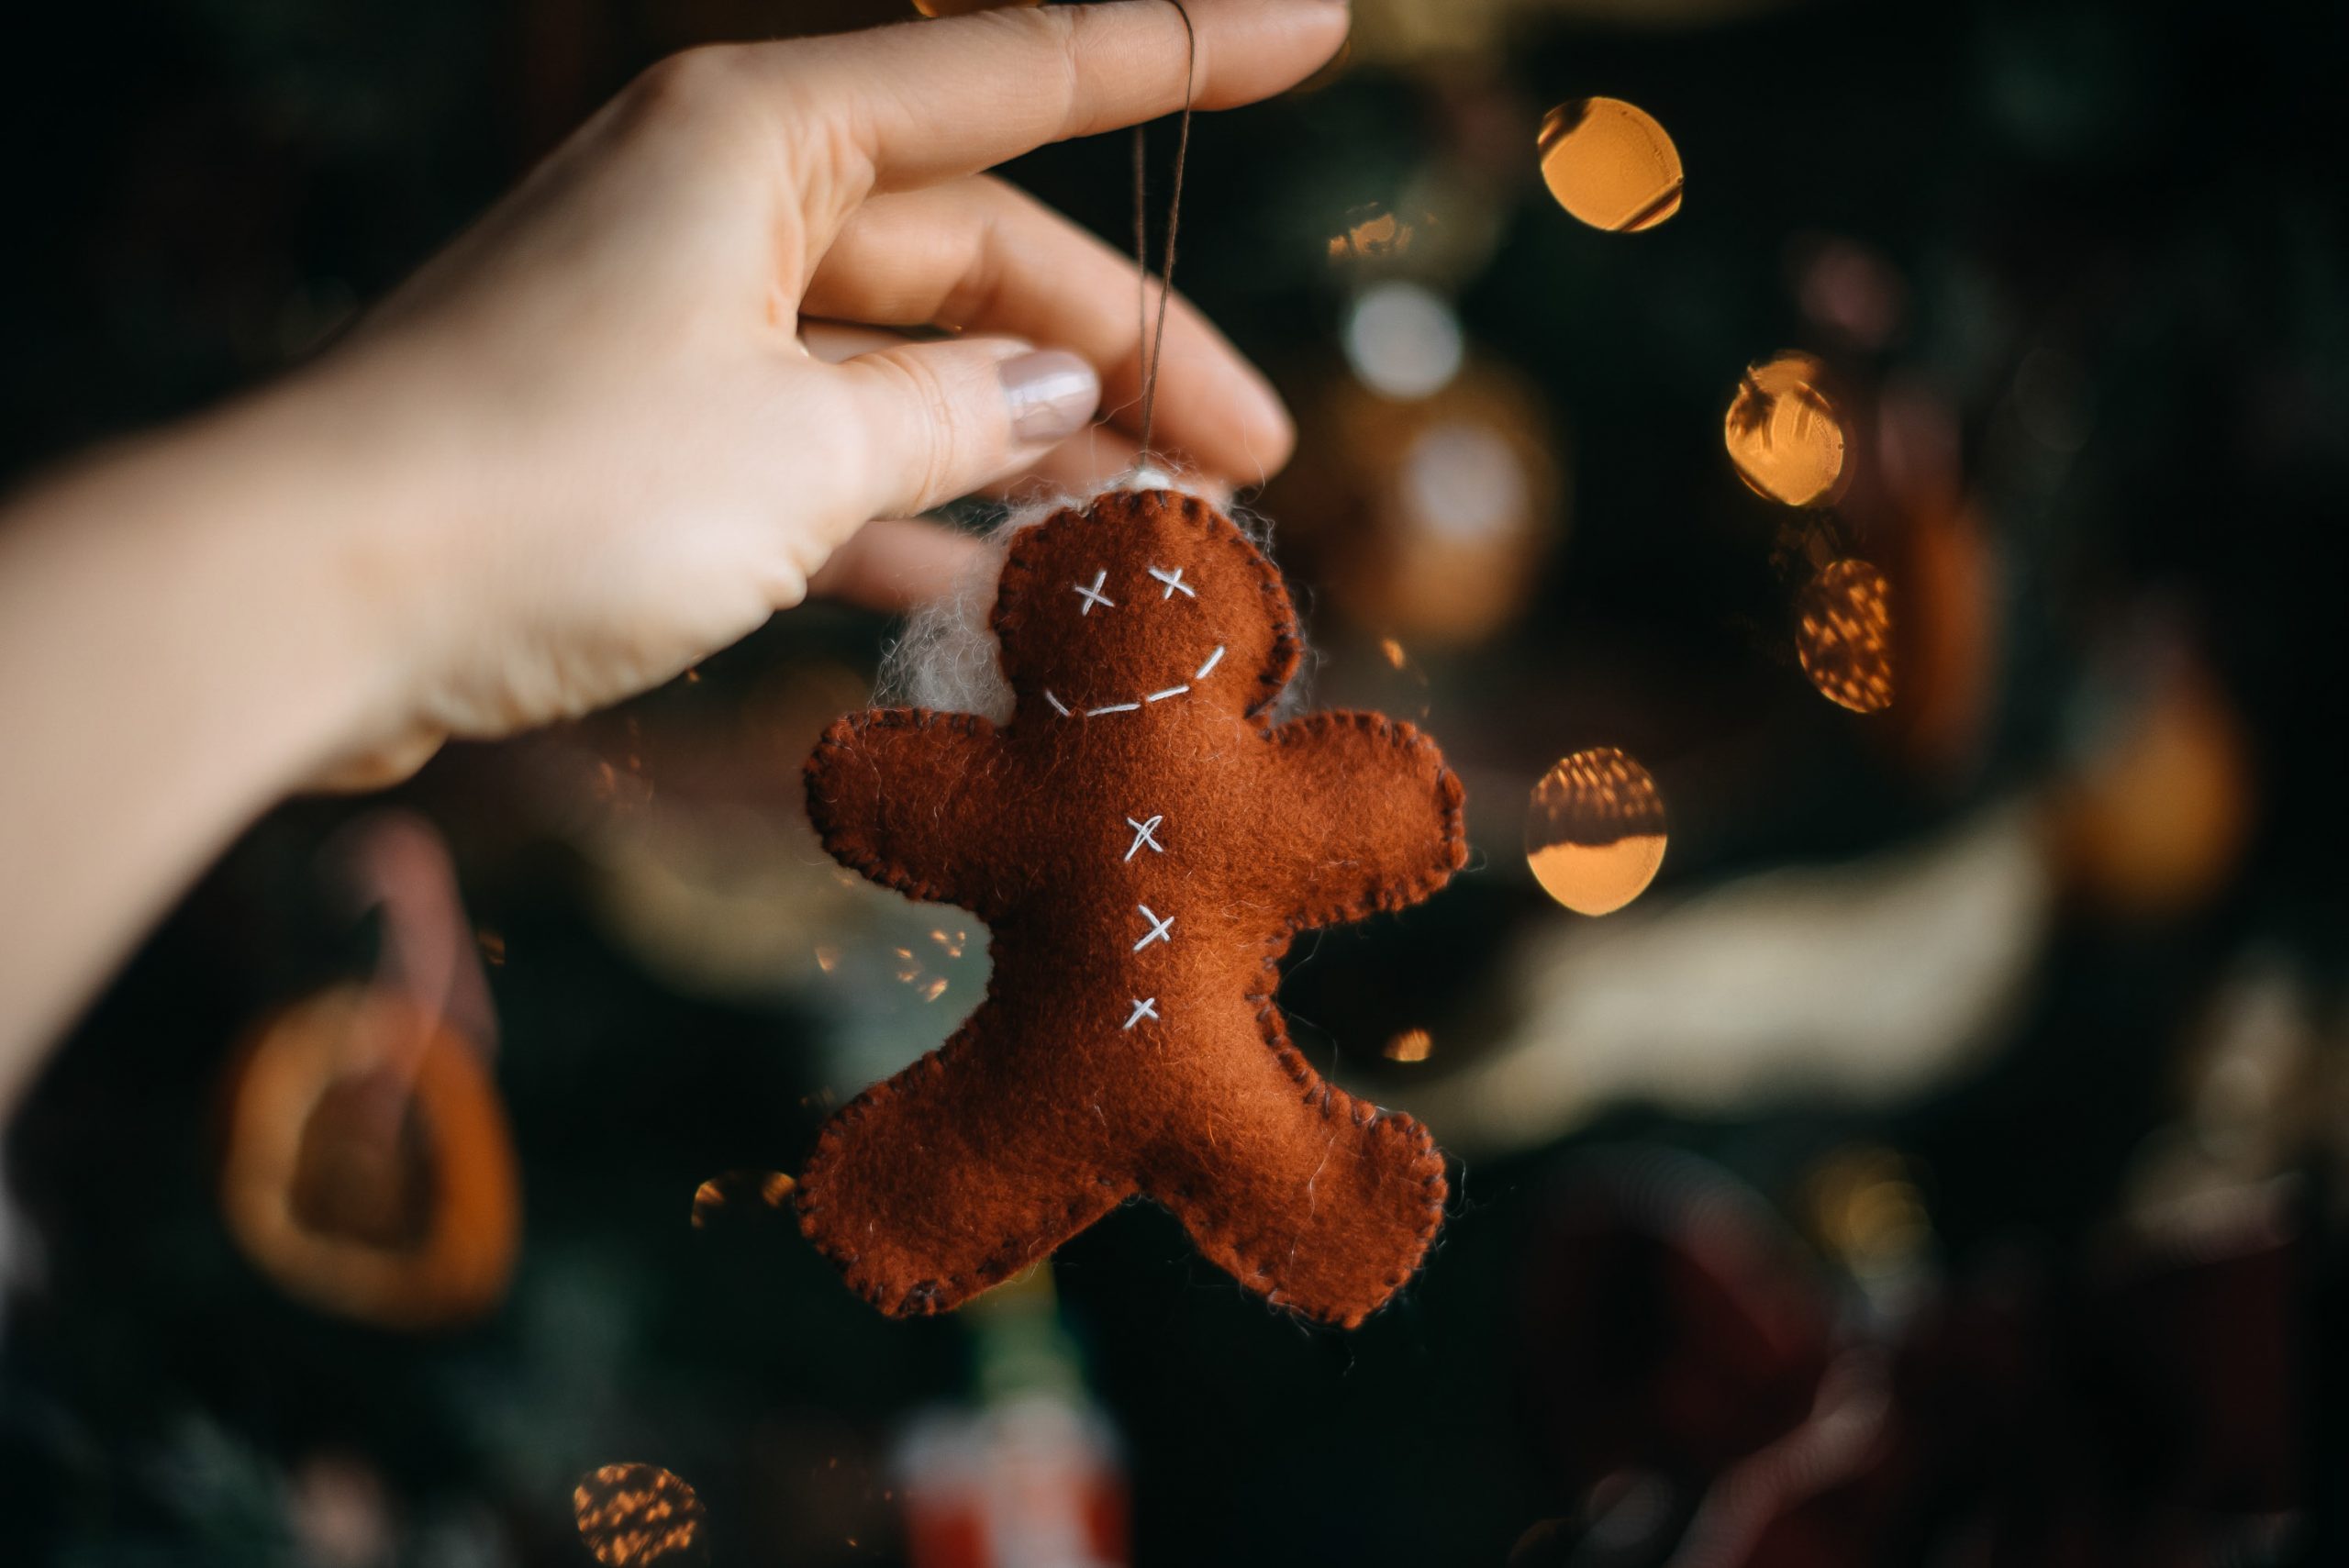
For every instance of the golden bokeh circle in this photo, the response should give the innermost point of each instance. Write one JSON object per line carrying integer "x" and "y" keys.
{"x": 1595, "y": 831}
{"x": 1784, "y": 432}
{"x": 632, "y": 1515}
{"x": 1843, "y": 635}
{"x": 1609, "y": 164}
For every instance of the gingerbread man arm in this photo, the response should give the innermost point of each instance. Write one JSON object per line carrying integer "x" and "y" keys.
{"x": 1370, "y": 818}
{"x": 910, "y": 798}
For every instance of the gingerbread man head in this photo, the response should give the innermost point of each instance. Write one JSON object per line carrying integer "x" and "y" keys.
{"x": 1144, "y": 847}
{"x": 1154, "y": 599}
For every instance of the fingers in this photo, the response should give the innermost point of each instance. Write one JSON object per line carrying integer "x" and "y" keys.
{"x": 894, "y": 563}
{"x": 922, "y": 423}
{"x": 977, "y": 254}
{"x": 926, "y": 101}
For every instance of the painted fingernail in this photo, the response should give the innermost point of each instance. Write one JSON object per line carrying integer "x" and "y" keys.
{"x": 1051, "y": 394}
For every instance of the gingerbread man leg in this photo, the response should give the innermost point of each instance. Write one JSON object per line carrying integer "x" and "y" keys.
{"x": 1327, "y": 1205}
{"x": 932, "y": 1187}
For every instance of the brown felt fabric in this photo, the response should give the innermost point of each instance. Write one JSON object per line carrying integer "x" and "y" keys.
{"x": 1045, "y": 1109}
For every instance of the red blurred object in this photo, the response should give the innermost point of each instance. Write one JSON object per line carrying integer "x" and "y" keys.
{"x": 1035, "y": 1483}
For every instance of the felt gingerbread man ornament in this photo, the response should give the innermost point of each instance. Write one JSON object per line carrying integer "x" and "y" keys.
{"x": 1143, "y": 845}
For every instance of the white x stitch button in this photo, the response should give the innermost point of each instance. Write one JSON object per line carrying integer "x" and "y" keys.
{"x": 1094, "y": 595}
{"x": 1142, "y": 835}
{"x": 1175, "y": 584}
{"x": 1158, "y": 929}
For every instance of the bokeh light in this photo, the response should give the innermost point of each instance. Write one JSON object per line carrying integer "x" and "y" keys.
{"x": 737, "y": 1192}
{"x": 634, "y": 1515}
{"x": 1403, "y": 341}
{"x": 1410, "y": 1045}
{"x": 1427, "y": 519}
{"x": 1866, "y": 1210}
{"x": 1373, "y": 232}
{"x": 1843, "y": 635}
{"x": 1784, "y": 432}
{"x": 1595, "y": 832}
{"x": 1610, "y": 164}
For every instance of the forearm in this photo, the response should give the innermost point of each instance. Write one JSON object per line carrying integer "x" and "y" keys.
{"x": 187, "y": 633}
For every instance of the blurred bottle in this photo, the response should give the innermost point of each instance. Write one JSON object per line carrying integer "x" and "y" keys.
{"x": 1032, "y": 1477}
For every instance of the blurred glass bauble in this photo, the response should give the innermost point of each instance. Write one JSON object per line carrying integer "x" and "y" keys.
{"x": 2157, "y": 812}
{"x": 368, "y": 1167}
{"x": 1610, "y": 164}
{"x": 1595, "y": 831}
{"x": 635, "y": 1515}
{"x": 1784, "y": 432}
{"x": 1843, "y": 635}
{"x": 1427, "y": 519}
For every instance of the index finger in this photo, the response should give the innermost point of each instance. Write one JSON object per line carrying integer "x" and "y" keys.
{"x": 926, "y": 101}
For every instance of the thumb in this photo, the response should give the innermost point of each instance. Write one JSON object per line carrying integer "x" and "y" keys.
{"x": 937, "y": 420}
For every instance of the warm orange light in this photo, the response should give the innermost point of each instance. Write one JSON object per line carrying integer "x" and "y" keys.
{"x": 1610, "y": 164}
{"x": 1785, "y": 434}
{"x": 737, "y": 1190}
{"x": 1412, "y": 1045}
{"x": 2159, "y": 815}
{"x": 1373, "y": 232}
{"x": 1843, "y": 636}
{"x": 632, "y": 1515}
{"x": 1595, "y": 831}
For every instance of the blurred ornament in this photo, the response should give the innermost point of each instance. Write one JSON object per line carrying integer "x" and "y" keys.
{"x": 1943, "y": 566}
{"x": 1595, "y": 831}
{"x": 737, "y": 1192}
{"x": 2159, "y": 811}
{"x": 1427, "y": 519}
{"x": 1033, "y": 1477}
{"x": 1784, "y": 433}
{"x": 1412, "y": 1045}
{"x": 368, "y": 1167}
{"x": 1843, "y": 635}
{"x": 634, "y": 1516}
{"x": 1876, "y": 979}
{"x": 1403, "y": 341}
{"x": 1610, "y": 164}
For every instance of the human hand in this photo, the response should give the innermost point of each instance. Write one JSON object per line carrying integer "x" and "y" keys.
{"x": 607, "y": 449}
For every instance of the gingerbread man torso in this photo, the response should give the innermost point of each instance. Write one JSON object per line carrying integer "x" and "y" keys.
{"x": 1143, "y": 848}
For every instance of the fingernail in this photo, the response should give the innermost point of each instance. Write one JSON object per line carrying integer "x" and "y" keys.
{"x": 1051, "y": 394}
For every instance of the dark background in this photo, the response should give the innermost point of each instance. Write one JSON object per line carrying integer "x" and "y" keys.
{"x": 2146, "y": 196}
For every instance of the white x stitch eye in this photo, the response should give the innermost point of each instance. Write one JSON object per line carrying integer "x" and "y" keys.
{"x": 1175, "y": 584}
{"x": 1142, "y": 835}
{"x": 1158, "y": 929}
{"x": 1144, "y": 1007}
{"x": 1094, "y": 595}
